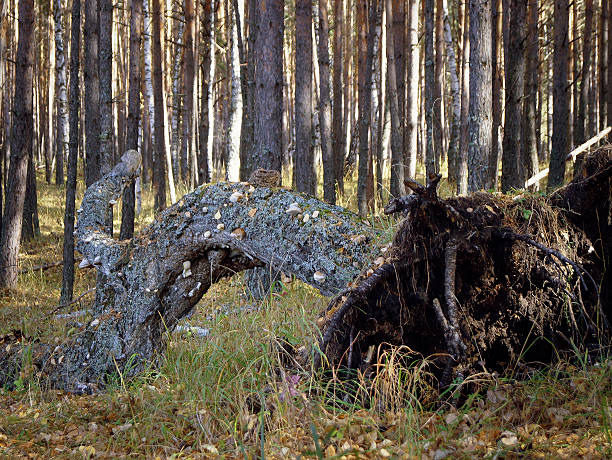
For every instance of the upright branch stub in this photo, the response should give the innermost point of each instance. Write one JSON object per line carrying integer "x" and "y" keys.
{"x": 97, "y": 247}
{"x": 421, "y": 193}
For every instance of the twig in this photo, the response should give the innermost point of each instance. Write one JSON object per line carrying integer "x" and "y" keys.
{"x": 59, "y": 307}
{"x": 44, "y": 266}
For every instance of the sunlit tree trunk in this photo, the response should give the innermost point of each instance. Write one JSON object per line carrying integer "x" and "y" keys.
{"x": 430, "y": 157}
{"x": 438, "y": 104}
{"x": 338, "y": 107}
{"x": 462, "y": 167}
{"x": 232, "y": 171}
{"x": 159, "y": 149}
{"x": 412, "y": 82}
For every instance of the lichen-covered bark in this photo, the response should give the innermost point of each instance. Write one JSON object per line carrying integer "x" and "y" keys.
{"x": 218, "y": 230}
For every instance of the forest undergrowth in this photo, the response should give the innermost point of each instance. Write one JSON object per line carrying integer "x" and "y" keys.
{"x": 226, "y": 394}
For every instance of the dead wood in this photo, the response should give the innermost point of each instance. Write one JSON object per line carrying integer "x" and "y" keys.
{"x": 156, "y": 278}
{"x": 500, "y": 296}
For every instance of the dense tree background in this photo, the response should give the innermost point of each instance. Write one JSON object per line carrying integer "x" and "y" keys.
{"x": 326, "y": 91}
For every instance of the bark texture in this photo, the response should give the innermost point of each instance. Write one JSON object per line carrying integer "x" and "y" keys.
{"x": 156, "y": 278}
{"x": 480, "y": 108}
{"x": 21, "y": 147}
{"x": 561, "y": 95}
{"x": 304, "y": 171}
{"x": 73, "y": 152}
{"x": 62, "y": 98}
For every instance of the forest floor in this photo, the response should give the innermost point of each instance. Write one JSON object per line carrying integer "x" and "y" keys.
{"x": 221, "y": 395}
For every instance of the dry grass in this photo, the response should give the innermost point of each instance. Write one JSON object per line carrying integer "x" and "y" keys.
{"x": 227, "y": 395}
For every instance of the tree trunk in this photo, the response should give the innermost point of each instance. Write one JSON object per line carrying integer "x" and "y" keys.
{"x": 71, "y": 177}
{"x": 438, "y": 94}
{"x": 329, "y": 190}
{"x": 133, "y": 121}
{"x": 62, "y": 98}
{"x": 189, "y": 88}
{"x": 396, "y": 187}
{"x": 92, "y": 92}
{"x": 21, "y": 145}
{"x": 412, "y": 83}
{"x": 304, "y": 168}
{"x": 338, "y": 138}
{"x": 496, "y": 39}
{"x": 400, "y": 48}
{"x": 462, "y": 166}
{"x": 580, "y": 121}
{"x": 366, "y": 47}
{"x": 268, "y": 96}
{"x": 175, "y": 122}
{"x": 234, "y": 134}
{"x": 561, "y": 96}
{"x": 529, "y": 140}
{"x": 161, "y": 275}
{"x": 429, "y": 88}
{"x": 514, "y": 67}
{"x": 604, "y": 22}
{"x": 479, "y": 147}
{"x": 247, "y": 70}
{"x": 455, "y": 119}
{"x": 159, "y": 151}
{"x": 106, "y": 88}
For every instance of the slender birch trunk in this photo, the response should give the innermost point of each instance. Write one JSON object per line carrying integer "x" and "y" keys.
{"x": 62, "y": 98}
{"x": 232, "y": 161}
{"x": 455, "y": 123}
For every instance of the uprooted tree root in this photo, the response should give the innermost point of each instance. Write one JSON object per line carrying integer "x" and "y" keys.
{"x": 483, "y": 281}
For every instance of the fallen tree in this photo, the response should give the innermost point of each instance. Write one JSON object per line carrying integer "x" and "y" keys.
{"x": 473, "y": 282}
{"x": 153, "y": 280}
{"x": 471, "y": 279}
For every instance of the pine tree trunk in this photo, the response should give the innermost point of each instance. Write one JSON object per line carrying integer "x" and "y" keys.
{"x": 21, "y": 142}
{"x": 480, "y": 108}
{"x": 496, "y": 39}
{"x": 73, "y": 151}
{"x": 604, "y": 21}
{"x": 561, "y": 95}
{"x": 329, "y": 191}
{"x": 397, "y": 140}
{"x": 365, "y": 48}
{"x": 133, "y": 120}
{"x": 514, "y": 66}
{"x": 529, "y": 140}
{"x": 106, "y": 88}
{"x": 268, "y": 102}
{"x": 189, "y": 87}
{"x": 148, "y": 90}
{"x": 412, "y": 83}
{"x": 62, "y": 102}
{"x": 462, "y": 161}
{"x": 580, "y": 121}
{"x": 455, "y": 119}
{"x": 304, "y": 173}
{"x": 92, "y": 92}
{"x": 400, "y": 47}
